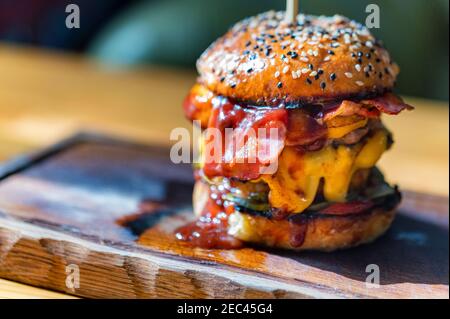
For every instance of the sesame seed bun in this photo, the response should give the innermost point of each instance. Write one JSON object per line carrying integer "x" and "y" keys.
{"x": 264, "y": 60}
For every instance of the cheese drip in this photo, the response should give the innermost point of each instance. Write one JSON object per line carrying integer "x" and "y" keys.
{"x": 295, "y": 185}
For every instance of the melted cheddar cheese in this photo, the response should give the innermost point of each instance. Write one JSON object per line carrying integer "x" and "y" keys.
{"x": 338, "y": 132}
{"x": 294, "y": 186}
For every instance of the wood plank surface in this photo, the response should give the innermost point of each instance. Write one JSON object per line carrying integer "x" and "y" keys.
{"x": 68, "y": 207}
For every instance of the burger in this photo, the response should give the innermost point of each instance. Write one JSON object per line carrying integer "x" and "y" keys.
{"x": 322, "y": 84}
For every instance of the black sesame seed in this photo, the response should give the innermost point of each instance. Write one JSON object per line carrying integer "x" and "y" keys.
{"x": 320, "y": 71}
{"x": 331, "y": 52}
{"x": 248, "y": 43}
{"x": 360, "y": 60}
{"x": 333, "y": 76}
{"x": 250, "y": 70}
{"x": 280, "y": 85}
{"x": 294, "y": 55}
{"x": 368, "y": 55}
{"x": 222, "y": 79}
{"x": 310, "y": 66}
{"x": 323, "y": 85}
{"x": 233, "y": 85}
{"x": 353, "y": 55}
{"x": 316, "y": 77}
{"x": 360, "y": 53}
{"x": 309, "y": 81}
{"x": 256, "y": 47}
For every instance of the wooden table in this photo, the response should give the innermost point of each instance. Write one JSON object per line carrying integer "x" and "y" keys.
{"x": 45, "y": 96}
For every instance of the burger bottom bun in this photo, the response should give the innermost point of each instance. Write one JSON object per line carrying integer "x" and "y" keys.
{"x": 319, "y": 232}
{"x": 325, "y": 233}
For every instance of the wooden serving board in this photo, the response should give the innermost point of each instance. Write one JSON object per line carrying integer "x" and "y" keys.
{"x": 85, "y": 202}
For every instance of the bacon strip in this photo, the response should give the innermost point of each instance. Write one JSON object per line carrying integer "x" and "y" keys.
{"x": 250, "y": 147}
{"x": 303, "y": 129}
{"x": 347, "y": 208}
{"x": 389, "y": 104}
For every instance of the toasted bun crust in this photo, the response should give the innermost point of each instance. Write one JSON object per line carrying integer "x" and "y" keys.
{"x": 322, "y": 233}
{"x": 263, "y": 60}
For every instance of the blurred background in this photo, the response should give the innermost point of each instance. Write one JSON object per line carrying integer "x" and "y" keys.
{"x": 131, "y": 33}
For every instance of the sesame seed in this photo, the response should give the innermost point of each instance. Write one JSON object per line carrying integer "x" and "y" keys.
{"x": 277, "y": 74}
{"x": 280, "y": 85}
{"x": 348, "y": 74}
{"x": 359, "y": 83}
{"x": 285, "y": 69}
{"x": 333, "y": 76}
{"x": 313, "y": 73}
{"x": 296, "y": 74}
{"x": 358, "y": 67}
{"x": 305, "y": 70}
{"x": 308, "y": 81}
{"x": 327, "y": 58}
{"x": 323, "y": 85}
{"x": 310, "y": 66}
{"x": 330, "y": 52}
{"x": 249, "y": 70}
{"x": 304, "y": 59}
{"x": 233, "y": 85}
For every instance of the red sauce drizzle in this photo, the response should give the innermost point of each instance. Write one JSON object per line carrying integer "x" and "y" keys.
{"x": 299, "y": 229}
{"x": 210, "y": 231}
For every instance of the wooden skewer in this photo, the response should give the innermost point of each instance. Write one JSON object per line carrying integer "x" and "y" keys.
{"x": 291, "y": 11}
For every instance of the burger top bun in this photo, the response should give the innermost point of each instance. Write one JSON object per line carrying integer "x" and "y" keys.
{"x": 264, "y": 60}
